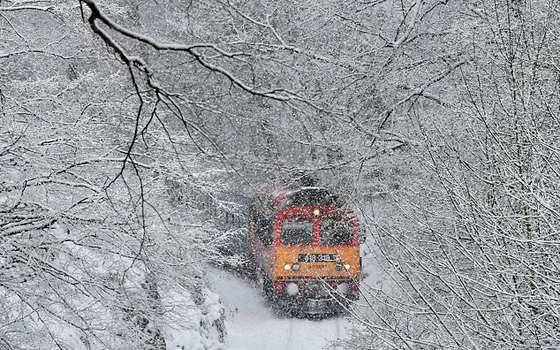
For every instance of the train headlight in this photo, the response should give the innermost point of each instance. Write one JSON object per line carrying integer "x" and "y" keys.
{"x": 293, "y": 267}
{"x": 343, "y": 288}
{"x": 292, "y": 288}
{"x": 347, "y": 266}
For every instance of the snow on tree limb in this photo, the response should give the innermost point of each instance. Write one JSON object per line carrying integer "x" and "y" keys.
{"x": 97, "y": 14}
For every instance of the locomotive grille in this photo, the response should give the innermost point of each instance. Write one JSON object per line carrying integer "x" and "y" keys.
{"x": 315, "y": 278}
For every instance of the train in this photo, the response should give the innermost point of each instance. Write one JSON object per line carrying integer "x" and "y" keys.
{"x": 304, "y": 248}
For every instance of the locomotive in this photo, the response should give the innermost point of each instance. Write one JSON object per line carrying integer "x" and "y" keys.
{"x": 305, "y": 250}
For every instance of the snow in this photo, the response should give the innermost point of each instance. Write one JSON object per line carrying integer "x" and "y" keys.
{"x": 252, "y": 324}
{"x": 191, "y": 327}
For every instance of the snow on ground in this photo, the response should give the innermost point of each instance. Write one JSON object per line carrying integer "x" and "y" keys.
{"x": 252, "y": 324}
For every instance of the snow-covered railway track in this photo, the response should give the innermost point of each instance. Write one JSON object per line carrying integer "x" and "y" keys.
{"x": 252, "y": 324}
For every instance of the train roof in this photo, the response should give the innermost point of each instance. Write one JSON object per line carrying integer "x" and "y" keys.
{"x": 311, "y": 196}
{"x": 316, "y": 196}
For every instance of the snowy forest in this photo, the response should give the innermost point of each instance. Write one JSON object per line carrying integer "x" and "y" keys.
{"x": 131, "y": 131}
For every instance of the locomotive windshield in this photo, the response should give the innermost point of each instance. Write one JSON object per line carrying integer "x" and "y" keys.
{"x": 296, "y": 232}
{"x": 336, "y": 232}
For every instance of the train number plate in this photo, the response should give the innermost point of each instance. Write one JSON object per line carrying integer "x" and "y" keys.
{"x": 316, "y": 257}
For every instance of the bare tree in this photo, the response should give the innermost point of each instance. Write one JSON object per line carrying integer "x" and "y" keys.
{"x": 474, "y": 255}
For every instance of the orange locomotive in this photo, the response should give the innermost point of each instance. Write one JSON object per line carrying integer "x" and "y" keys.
{"x": 305, "y": 249}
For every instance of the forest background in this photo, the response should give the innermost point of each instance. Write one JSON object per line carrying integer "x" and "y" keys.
{"x": 125, "y": 124}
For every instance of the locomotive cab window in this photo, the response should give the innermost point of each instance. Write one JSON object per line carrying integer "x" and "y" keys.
{"x": 296, "y": 232}
{"x": 336, "y": 232}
